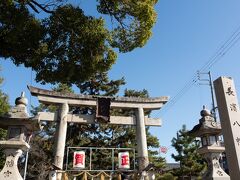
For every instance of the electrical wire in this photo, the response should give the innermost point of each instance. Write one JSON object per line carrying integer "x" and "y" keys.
{"x": 222, "y": 51}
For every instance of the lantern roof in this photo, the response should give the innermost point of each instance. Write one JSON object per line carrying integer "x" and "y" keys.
{"x": 207, "y": 125}
{"x": 18, "y": 116}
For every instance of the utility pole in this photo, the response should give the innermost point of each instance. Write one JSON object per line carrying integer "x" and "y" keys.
{"x": 209, "y": 80}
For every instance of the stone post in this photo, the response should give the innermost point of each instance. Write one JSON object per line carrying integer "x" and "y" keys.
{"x": 141, "y": 140}
{"x": 19, "y": 126}
{"x": 230, "y": 120}
{"x": 214, "y": 171}
{"x": 10, "y": 169}
{"x": 209, "y": 131}
{"x": 61, "y": 133}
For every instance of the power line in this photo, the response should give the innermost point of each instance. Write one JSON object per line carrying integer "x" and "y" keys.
{"x": 220, "y": 50}
{"x": 224, "y": 48}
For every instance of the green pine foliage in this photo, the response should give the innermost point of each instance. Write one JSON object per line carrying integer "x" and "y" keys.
{"x": 4, "y": 108}
{"x": 3, "y": 134}
{"x": 100, "y": 84}
{"x": 62, "y": 43}
{"x": 191, "y": 163}
{"x": 104, "y": 135}
{"x": 167, "y": 176}
{"x": 4, "y": 104}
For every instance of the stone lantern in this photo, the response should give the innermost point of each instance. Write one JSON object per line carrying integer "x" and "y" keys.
{"x": 209, "y": 131}
{"x": 19, "y": 128}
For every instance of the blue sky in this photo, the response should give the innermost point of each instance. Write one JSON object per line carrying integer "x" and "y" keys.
{"x": 187, "y": 34}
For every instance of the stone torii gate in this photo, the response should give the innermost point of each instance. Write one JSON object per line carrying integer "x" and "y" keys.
{"x": 64, "y": 100}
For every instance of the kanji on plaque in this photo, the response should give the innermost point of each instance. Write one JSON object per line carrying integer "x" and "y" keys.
{"x": 238, "y": 140}
{"x": 230, "y": 92}
{"x": 79, "y": 159}
{"x": 123, "y": 160}
{"x": 228, "y": 107}
{"x": 233, "y": 107}
{"x": 236, "y": 123}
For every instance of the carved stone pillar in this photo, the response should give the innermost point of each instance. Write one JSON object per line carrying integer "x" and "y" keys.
{"x": 214, "y": 170}
{"x": 10, "y": 170}
{"x": 209, "y": 131}
{"x": 229, "y": 114}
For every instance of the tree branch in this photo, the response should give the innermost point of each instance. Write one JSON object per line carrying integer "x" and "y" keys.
{"x": 33, "y": 7}
{"x": 40, "y": 6}
{"x": 114, "y": 15}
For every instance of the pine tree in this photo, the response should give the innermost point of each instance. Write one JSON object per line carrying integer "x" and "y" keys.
{"x": 64, "y": 44}
{"x": 104, "y": 135}
{"x": 4, "y": 107}
{"x": 191, "y": 163}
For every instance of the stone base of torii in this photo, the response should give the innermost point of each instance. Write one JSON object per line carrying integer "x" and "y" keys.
{"x": 139, "y": 105}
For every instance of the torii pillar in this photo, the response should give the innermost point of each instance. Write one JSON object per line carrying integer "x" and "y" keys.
{"x": 60, "y": 136}
{"x": 143, "y": 160}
